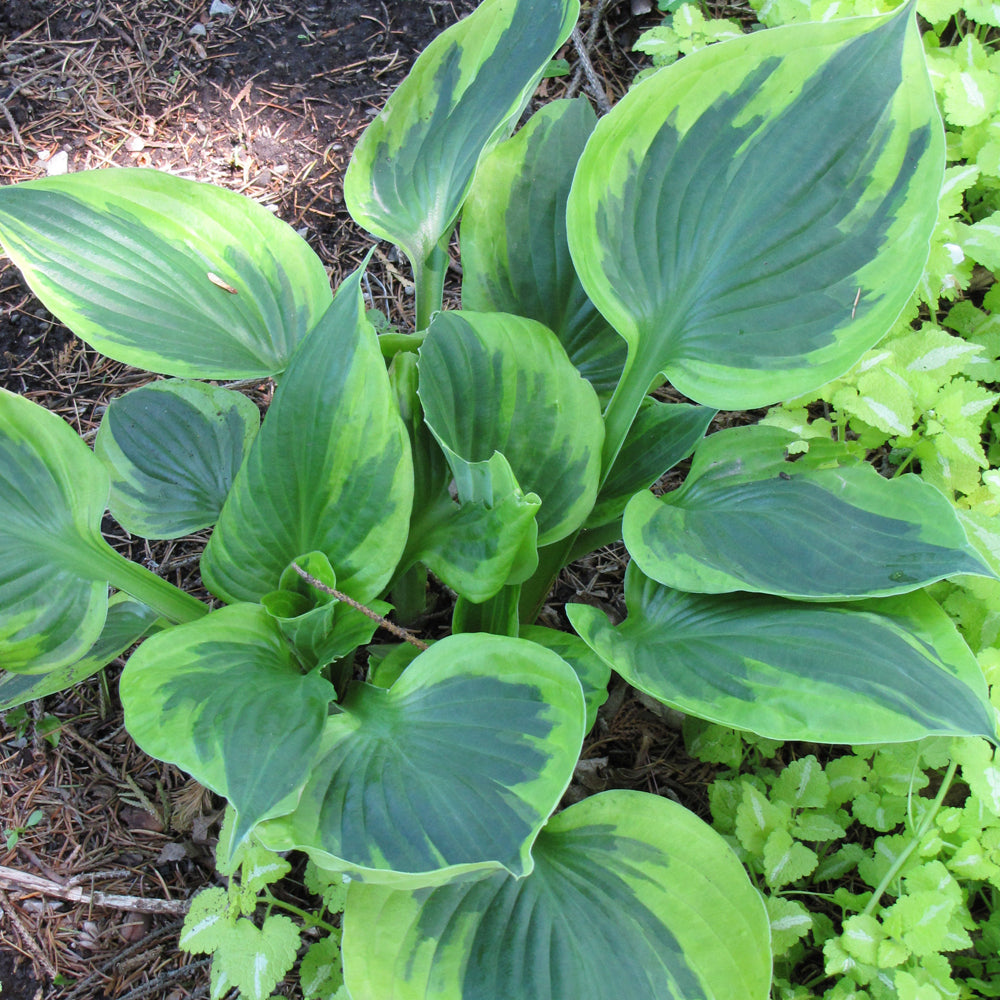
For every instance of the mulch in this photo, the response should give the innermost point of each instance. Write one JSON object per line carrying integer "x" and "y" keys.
{"x": 267, "y": 101}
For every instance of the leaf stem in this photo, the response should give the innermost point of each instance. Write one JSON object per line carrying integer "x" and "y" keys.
{"x": 307, "y": 915}
{"x": 162, "y": 596}
{"x": 389, "y": 626}
{"x": 428, "y": 283}
{"x": 914, "y": 841}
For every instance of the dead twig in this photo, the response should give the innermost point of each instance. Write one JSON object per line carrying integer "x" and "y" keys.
{"x": 25, "y": 882}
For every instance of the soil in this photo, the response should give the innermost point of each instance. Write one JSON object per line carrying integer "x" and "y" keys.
{"x": 269, "y": 101}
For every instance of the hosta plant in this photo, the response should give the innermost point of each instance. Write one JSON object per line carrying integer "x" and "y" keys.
{"x": 744, "y": 224}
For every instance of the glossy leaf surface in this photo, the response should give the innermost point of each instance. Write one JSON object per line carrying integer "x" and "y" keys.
{"x": 515, "y": 257}
{"x": 53, "y": 492}
{"x": 754, "y": 217}
{"x": 500, "y": 719}
{"x": 173, "y": 449}
{"x": 225, "y": 699}
{"x": 687, "y": 923}
{"x": 880, "y": 671}
{"x": 330, "y": 470}
{"x": 491, "y": 382}
{"x": 413, "y": 166}
{"x": 127, "y": 622}
{"x": 747, "y": 519}
{"x": 126, "y": 259}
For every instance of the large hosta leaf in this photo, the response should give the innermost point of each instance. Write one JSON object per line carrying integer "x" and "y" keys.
{"x": 127, "y": 622}
{"x": 631, "y": 896}
{"x": 455, "y": 768}
{"x": 173, "y": 449}
{"x": 753, "y": 218}
{"x": 491, "y": 382}
{"x": 413, "y": 166}
{"x": 53, "y": 591}
{"x": 747, "y": 519}
{"x": 164, "y": 273}
{"x": 330, "y": 470}
{"x": 515, "y": 257}
{"x": 878, "y": 671}
{"x": 225, "y": 699}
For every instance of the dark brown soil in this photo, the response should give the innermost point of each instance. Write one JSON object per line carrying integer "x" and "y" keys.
{"x": 268, "y": 101}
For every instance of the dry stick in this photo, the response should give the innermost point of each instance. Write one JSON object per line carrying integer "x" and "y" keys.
{"x": 389, "y": 626}
{"x": 26, "y": 882}
{"x": 588, "y": 71}
{"x": 29, "y": 941}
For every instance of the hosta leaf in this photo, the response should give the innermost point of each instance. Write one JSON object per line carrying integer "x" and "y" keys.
{"x": 53, "y": 587}
{"x": 687, "y": 923}
{"x": 454, "y": 768}
{"x": 225, "y": 699}
{"x": 413, "y": 166}
{"x": 592, "y": 672}
{"x": 747, "y": 519}
{"x": 754, "y": 217}
{"x": 135, "y": 262}
{"x": 320, "y": 628}
{"x": 661, "y": 436}
{"x": 880, "y": 671}
{"x": 127, "y": 622}
{"x": 330, "y": 470}
{"x": 515, "y": 257}
{"x": 172, "y": 449}
{"x": 474, "y": 546}
{"x": 491, "y": 382}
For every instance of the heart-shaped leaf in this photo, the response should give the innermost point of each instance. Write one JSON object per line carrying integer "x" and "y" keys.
{"x": 225, "y": 699}
{"x": 592, "y": 672}
{"x": 330, "y": 470}
{"x": 880, "y": 671}
{"x": 754, "y": 217}
{"x": 413, "y": 166}
{"x": 165, "y": 273}
{"x": 173, "y": 449}
{"x": 127, "y": 622}
{"x": 491, "y": 382}
{"x": 454, "y": 769}
{"x": 748, "y": 519}
{"x": 515, "y": 257}
{"x": 53, "y": 587}
{"x": 687, "y": 923}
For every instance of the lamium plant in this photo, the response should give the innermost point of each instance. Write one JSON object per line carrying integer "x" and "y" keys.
{"x": 743, "y": 224}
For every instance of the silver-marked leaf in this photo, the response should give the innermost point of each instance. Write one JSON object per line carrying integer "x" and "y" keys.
{"x": 491, "y": 382}
{"x": 225, "y": 699}
{"x": 330, "y": 470}
{"x": 172, "y": 449}
{"x": 53, "y": 582}
{"x": 454, "y": 769}
{"x": 592, "y": 672}
{"x": 881, "y": 671}
{"x": 747, "y": 519}
{"x": 754, "y": 217}
{"x": 127, "y": 622}
{"x": 164, "y": 273}
{"x": 515, "y": 257}
{"x": 687, "y": 923}
{"x": 413, "y": 166}
{"x": 661, "y": 436}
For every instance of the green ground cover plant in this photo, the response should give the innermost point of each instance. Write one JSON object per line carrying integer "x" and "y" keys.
{"x": 491, "y": 446}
